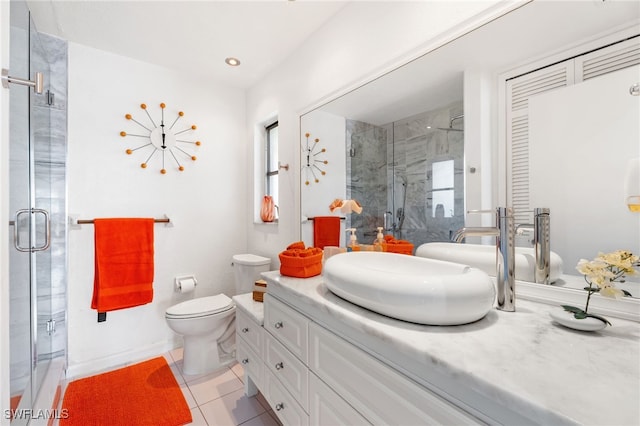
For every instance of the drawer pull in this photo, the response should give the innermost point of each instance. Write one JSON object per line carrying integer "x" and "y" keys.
{"x": 279, "y": 406}
{"x": 245, "y": 330}
{"x": 278, "y": 324}
{"x": 245, "y": 361}
{"x": 279, "y": 366}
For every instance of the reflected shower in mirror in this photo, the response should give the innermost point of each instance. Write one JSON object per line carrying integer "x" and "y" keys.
{"x": 408, "y": 176}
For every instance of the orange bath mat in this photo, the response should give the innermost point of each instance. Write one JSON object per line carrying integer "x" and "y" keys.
{"x": 138, "y": 395}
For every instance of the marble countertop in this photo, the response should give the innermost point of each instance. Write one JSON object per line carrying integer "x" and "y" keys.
{"x": 509, "y": 367}
{"x": 253, "y": 309}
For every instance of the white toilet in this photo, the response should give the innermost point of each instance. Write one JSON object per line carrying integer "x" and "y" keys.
{"x": 207, "y": 324}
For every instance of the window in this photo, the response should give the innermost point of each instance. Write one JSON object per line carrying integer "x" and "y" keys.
{"x": 272, "y": 162}
{"x": 443, "y": 192}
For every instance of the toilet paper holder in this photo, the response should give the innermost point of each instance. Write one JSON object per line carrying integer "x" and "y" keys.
{"x": 185, "y": 282}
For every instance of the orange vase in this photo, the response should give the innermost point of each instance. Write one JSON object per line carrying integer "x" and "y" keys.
{"x": 267, "y": 211}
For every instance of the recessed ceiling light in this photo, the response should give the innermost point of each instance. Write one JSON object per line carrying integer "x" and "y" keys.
{"x": 232, "y": 61}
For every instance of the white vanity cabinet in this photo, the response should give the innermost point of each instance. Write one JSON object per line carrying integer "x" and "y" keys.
{"x": 314, "y": 377}
{"x": 380, "y": 393}
{"x": 249, "y": 351}
{"x": 285, "y": 359}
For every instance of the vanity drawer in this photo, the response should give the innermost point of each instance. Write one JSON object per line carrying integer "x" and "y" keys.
{"x": 328, "y": 408}
{"x": 250, "y": 361}
{"x": 381, "y": 394}
{"x": 289, "y": 412}
{"x": 287, "y": 325}
{"x": 293, "y": 374}
{"x": 249, "y": 330}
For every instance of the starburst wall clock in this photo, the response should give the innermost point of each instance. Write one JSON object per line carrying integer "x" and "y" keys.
{"x": 313, "y": 163}
{"x": 161, "y": 143}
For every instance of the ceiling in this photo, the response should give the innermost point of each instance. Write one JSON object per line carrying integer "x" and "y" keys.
{"x": 193, "y": 36}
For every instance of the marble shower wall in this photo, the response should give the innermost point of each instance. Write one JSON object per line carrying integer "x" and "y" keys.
{"x": 366, "y": 177}
{"x": 390, "y": 169}
{"x": 50, "y": 136}
{"x": 419, "y": 142}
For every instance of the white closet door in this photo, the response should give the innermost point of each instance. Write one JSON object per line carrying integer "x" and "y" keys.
{"x": 519, "y": 92}
{"x": 581, "y": 138}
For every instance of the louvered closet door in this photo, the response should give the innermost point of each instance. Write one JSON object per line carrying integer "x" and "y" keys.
{"x": 609, "y": 59}
{"x": 519, "y": 91}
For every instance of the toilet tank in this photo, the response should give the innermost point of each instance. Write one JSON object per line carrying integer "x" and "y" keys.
{"x": 247, "y": 269}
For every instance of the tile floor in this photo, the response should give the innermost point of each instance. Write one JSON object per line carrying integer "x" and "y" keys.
{"x": 218, "y": 398}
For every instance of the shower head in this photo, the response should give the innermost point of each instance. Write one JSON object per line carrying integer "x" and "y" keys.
{"x": 450, "y": 128}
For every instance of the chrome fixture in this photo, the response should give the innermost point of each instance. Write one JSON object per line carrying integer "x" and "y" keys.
{"x": 16, "y": 232}
{"x": 37, "y": 84}
{"x": 634, "y": 90}
{"x": 457, "y": 117}
{"x": 505, "y": 253}
{"x": 541, "y": 243}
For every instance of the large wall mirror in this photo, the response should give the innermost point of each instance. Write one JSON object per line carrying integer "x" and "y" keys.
{"x": 424, "y": 144}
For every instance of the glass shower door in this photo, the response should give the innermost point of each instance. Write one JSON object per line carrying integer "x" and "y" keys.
{"x": 29, "y": 240}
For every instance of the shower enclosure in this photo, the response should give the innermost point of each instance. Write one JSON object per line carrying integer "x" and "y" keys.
{"x": 408, "y": 175}
{"x": 37, "y": 241}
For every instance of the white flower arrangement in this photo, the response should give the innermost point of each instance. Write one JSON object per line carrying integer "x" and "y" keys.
{"x": 601, "y": 273}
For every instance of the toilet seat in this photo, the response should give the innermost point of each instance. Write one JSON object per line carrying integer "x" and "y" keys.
{"x": 200, "y": 307}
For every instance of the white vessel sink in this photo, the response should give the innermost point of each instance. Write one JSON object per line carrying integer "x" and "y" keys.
{"x": 409, "y": 288}
{"x": 484, "y": 257}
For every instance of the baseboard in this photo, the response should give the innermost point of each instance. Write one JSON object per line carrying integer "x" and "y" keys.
{"x": 99, "y": 365}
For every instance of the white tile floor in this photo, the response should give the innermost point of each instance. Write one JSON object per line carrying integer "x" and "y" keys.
{"x": 218, "y": 398}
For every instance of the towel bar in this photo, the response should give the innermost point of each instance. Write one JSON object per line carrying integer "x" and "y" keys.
{"x": 90, "y": 221}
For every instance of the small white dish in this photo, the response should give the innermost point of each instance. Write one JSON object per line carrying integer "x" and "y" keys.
{"x": 568, "y": 320}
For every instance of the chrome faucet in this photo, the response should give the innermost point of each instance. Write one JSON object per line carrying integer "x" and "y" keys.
{"x": 541, "y": 243}
{"x": 505, "y": 254}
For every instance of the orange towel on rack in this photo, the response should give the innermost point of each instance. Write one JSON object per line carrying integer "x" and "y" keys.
{"x": 326, "y": 231}
{"x": 123, "y": 263}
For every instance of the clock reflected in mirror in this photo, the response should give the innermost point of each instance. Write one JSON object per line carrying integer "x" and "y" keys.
{"x": 168, "y": 145}
{"x": 312, "y": 168}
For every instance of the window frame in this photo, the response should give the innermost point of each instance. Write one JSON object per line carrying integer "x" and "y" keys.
{"x": 270, "y": 174}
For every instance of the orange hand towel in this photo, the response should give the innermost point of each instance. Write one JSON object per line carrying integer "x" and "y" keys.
{"x": 123, "y": 263}
{"x": 326, "y": 231}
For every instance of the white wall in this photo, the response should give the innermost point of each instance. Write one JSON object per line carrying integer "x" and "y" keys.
{"x": 362, "y": 41}
{"x": 206, "y": 202}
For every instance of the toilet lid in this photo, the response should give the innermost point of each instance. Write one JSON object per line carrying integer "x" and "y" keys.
{"x": 201, "y": 306}
{"x": 250, "y": 259}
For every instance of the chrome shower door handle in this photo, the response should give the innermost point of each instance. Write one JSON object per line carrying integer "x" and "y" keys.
{"x": 16, "y": 230}
{"x": 47, "y": 229}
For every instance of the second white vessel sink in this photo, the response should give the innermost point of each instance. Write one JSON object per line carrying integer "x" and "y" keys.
{"x": 484, "y": 257}
{"x": 409, "y": 288}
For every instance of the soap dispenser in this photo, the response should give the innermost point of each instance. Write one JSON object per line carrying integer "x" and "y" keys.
{"x": 353, "y": 241}
{"x": 380, "y": 244}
